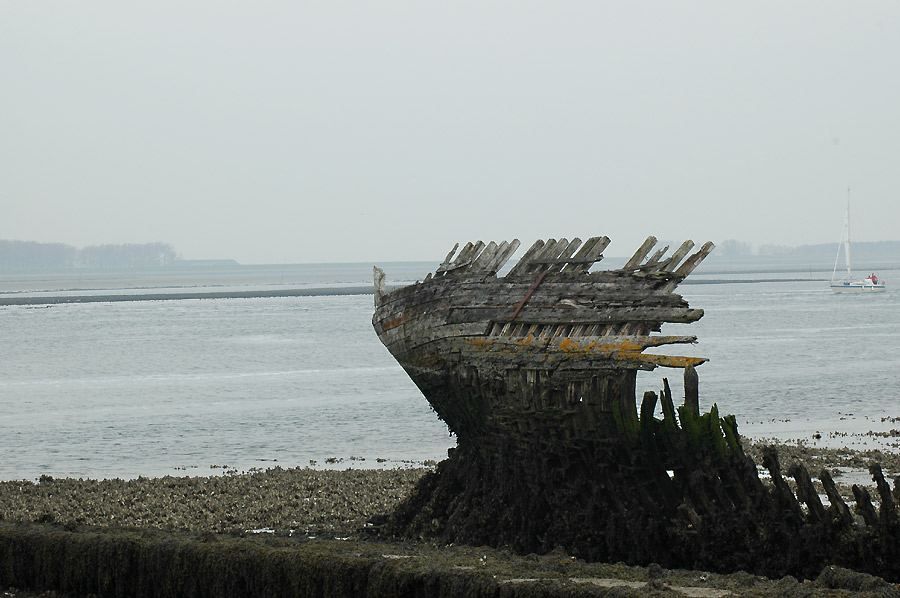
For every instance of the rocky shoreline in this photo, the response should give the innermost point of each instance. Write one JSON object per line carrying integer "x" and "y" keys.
{"x": 307, "y": 505}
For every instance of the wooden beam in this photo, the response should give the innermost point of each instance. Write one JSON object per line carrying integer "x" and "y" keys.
{"x": 640, "y": 254}
{"x": 692, "y": 262}
{"x": 525, "y": 259}
{"x": 590, "y": 253}
{"x": 566, "y": 253}
{"x": 679, "y": 254}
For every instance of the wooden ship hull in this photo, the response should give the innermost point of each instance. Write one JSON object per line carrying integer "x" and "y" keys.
{"x": 493, "y": 354}
{"x": 534, "y": 371}
{"x": 548, "y": 340}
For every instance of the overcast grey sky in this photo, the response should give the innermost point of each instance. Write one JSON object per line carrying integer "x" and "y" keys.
{"x": 274, "y": 132}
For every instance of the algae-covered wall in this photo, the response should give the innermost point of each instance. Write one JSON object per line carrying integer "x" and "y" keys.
{"x": 154, "y": 564}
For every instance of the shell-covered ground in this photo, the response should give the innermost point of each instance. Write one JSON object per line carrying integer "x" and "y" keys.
{"x": 299, "y": 501}
{"x": 334, "y": 506}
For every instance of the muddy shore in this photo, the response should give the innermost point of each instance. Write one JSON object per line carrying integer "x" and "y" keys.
{"x": 331, "y": 509}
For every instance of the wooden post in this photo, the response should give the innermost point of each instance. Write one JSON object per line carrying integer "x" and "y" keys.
{"x": 806, "y": 492}
{"x": 692, "y": 390}
{"x": 864, "y": 505}
{"x": 838, "y": 506}
{"x": 888, "y": 510}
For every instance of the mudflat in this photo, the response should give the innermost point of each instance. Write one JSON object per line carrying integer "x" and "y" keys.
{"x": 334, "y": 510}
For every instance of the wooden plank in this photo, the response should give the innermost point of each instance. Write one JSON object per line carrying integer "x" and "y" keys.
{"x": 447, "y": 260}
{"x": 679, "y": 254}
{"x": 658, "y": 308}
{"x": 659, "y": 340}
{"x": 503, "y": 292}
{"x": 565, "y": 254}
{"x": 525, "y": 259}
{"x": 580, "y": 259}
{"x": 468, "y": 255}
{"x": 463, "y": 254}
{"x": 561, "y": 245}
{"x": 657, "y": 256}
{"x": 640, "y": 254}
{"x": 442, "y": 352}
{"x": 652, "y": 283}
{"x": 550, "y": 251}
{"x": 503, "y": 254}
{"x": 568, "y": 297}
{"x": 488, "y": 352}
{"x": 554, "y": 339}
{"x": 588, "y": 255}
{"x": 464, "y": 260}
{"x": 544, "y": 315}
{"x": 550, "y": 256}
{"x": 484, "y": 258}
{"x": 692, "y": 262}
{"x": 378, "y": 275}
{"x": 596, "y": 253}
{"x": 536, "y": 332}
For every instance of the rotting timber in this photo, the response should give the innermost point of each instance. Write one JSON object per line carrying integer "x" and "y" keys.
{"x": 534, "y": 372}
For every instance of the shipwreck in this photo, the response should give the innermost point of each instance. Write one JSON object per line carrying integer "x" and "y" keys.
{"x": 533, "y": 367}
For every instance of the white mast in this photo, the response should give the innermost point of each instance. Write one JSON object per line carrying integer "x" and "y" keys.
{"x": 845, "y": 241}
{"x": 847, "y": 244}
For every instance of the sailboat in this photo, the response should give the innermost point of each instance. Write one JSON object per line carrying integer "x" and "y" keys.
{"x": 846, "y": 284}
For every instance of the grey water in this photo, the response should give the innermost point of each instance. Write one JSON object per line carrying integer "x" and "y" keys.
{"x": 792, "y": 359}
{"x": 201, "y": 387}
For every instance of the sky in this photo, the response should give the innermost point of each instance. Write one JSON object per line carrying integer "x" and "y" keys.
{"x": 301, "y": 132}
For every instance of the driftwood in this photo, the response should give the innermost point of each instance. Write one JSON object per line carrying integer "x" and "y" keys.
{"x": 535, "y": 373}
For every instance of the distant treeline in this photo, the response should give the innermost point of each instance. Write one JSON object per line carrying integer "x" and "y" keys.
{"x": 18, "y": 256}
{"x": 876, "y": 250}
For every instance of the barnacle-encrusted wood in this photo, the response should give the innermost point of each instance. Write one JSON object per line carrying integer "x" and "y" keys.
{"x": 549, "y": 339}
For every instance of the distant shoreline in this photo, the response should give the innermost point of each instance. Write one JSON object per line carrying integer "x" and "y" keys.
{"x": 257, "y": 294}
{"x": 275, "y": 293}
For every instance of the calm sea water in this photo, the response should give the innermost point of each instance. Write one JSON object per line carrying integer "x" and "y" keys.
{"x": 192, "y": 387}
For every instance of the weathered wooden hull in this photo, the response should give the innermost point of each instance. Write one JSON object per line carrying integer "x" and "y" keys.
{"x": 550, "y": 340}
{"x": 535, "y": 373}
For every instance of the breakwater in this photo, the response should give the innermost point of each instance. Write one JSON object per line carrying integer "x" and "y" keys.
{"x": 144, "y": 563}
{"x": 155, "y": 564}
{"x": 178, "y": 296}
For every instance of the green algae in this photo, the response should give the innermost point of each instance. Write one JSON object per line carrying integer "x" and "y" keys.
{"x": 151, "y": 563}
